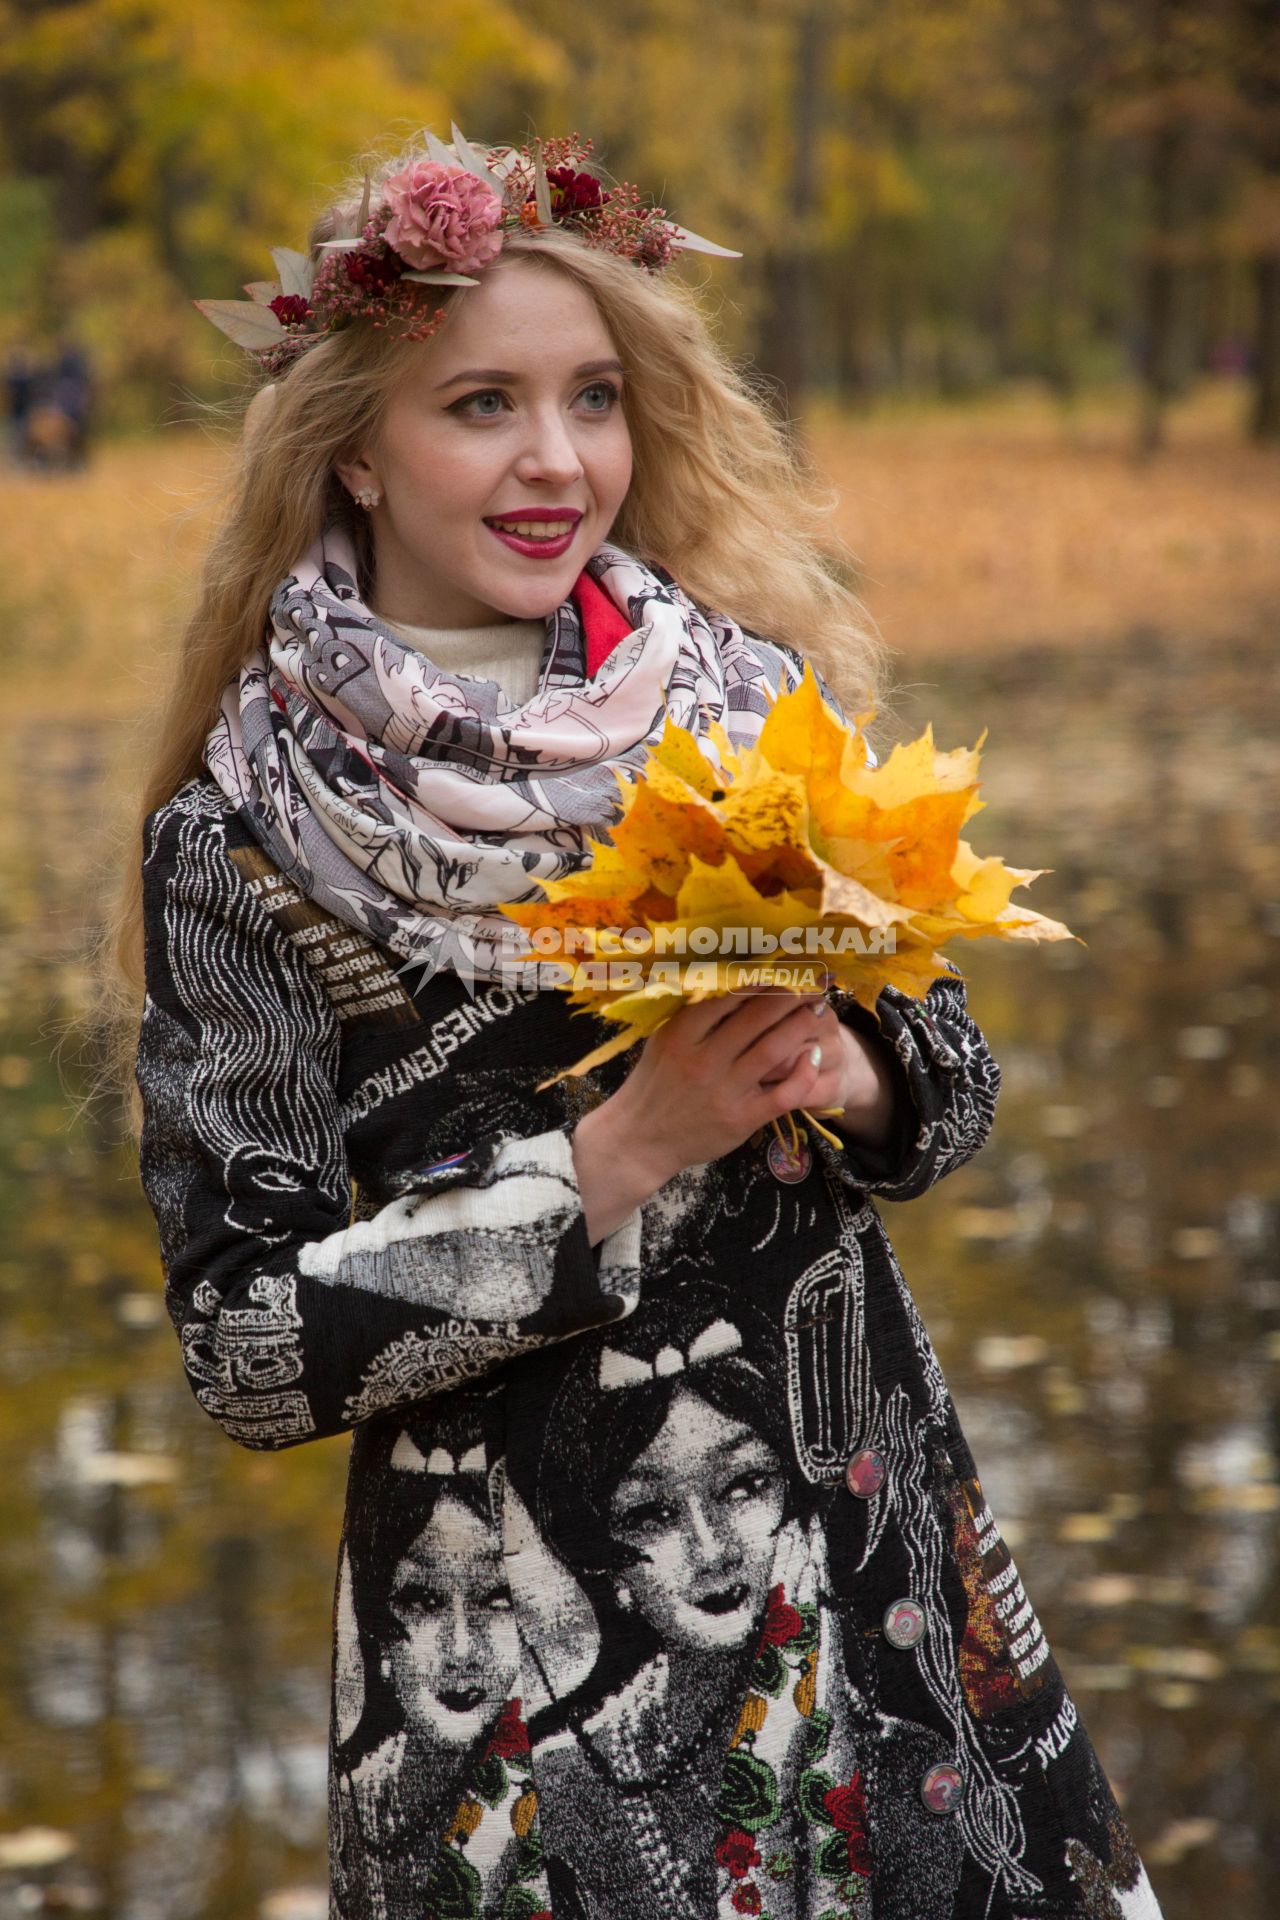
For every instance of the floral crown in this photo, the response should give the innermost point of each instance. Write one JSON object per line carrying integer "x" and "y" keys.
{"x": 438, "y": 223}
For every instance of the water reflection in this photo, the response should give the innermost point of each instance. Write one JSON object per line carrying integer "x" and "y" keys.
{"x": 1102, "y": 1283}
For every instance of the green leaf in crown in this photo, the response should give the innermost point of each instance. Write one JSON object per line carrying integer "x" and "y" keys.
{"x": 455, "y": 1887}
{"x": 748, "y": 1793}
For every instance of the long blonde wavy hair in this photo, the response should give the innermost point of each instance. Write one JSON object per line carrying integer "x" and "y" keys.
{"x": 720, "y": 495}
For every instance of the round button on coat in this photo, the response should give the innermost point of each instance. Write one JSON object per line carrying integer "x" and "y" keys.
{"x": 866, "y": 1473}
{"x": 785, "y": 1165}
{"x": 942, "y": 1788}
{"x": 904, "y": 1623}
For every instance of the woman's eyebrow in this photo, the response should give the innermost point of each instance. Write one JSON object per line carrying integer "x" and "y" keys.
{"x": 502, "y": 376}
{"x": 649, "y": 1474}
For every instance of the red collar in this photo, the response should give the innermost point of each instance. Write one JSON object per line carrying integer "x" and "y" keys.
{"x": 602, "y": 623}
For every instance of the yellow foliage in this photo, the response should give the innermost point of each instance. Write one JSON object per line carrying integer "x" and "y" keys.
{"x": 796, "y": 836}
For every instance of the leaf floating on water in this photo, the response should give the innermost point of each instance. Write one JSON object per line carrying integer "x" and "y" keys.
{"x": 1106, "y": 1590}
{"x": 1178, "y": 1663}
{"x": 1258, "y": 1648}
{"x": 1175, "y": 1696}
{"x": 1087, "y": 1529}
{"x": 141, "y": 1310}
{"x": 986, "y": 1223}
{"x": 295, "y": 1903}
{"x": 1203, "y": 1043}
{"x": 1179, "y": 1838}
{"x": 1195, "y": 1243}
{"x": 1065, "y": 1122}
{"x": 126, "y": 1469}
{"x": 1162, "y": 1090}
{"x": 1258, "y": 1496}
{"x": 1007, "y": 1353}
{"x": 1112, "y": 1678}
{"x": 32, "y": 1847}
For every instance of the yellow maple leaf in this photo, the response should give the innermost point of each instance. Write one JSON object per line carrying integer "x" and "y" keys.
{"x": 793, "y": 850}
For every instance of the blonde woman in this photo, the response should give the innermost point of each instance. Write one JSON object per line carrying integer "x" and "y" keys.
{"x": 502, "y": 506}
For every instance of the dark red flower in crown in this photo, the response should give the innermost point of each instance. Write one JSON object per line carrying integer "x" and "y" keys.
{"x": 738, "y": 1853}
{"x": 373, "y": 272}
{"x": 439, "y": 221}
{"x": 510, "y": 1738}
{"x": 746, "y": 1899}
{"x": 291, "y": 309}
{"x": 782, "y": 1623}
{"x": 572, "y": 191}
{"x": 847, "y": 1808}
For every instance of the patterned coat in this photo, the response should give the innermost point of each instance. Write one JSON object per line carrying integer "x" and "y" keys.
{"x": 666, "y": 1585}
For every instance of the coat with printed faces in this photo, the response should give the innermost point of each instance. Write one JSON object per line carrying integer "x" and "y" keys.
{"x": 666, "y": 1583}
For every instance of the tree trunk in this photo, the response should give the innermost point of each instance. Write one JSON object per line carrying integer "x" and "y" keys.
{"x": 1063, "y": 318}
{"x": 1161, "y": 288}
{"x": 1264, "y": 422}
{"x": 791, "y": 268}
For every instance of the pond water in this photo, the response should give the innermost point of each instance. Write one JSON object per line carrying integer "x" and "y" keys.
{"x": 1103, "y": 1285}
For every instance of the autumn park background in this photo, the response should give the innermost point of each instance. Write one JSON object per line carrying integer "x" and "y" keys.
{"x": 1012, "y": 271}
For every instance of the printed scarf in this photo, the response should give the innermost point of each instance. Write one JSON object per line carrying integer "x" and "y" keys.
{"x": 409, "y": 802}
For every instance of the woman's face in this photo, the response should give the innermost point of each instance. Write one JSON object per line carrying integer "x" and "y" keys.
{"x": 455, "y": 1667}
{"x": 503, "y": 458}
{"x": 702, "y": 1505}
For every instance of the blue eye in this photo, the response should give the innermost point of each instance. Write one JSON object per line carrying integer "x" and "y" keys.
{"x": 601, "y": 395}
{"x": 471, "y": 403}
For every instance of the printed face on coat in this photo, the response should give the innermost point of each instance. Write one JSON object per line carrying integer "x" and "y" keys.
{"x": 503, "y": 458}
{"x": 456, "y": 1665}
{"x": 701, "y": 1506}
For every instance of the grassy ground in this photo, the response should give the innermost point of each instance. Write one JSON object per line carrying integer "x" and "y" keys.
{"x": 988, "y": 526}
{"x": 1001, "y": 525}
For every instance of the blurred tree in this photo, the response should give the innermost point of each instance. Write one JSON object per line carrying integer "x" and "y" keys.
{"x": 178, "y": 139}
{"x": 1174, "y": 110}
{"x": 786, "y": 347}
{"x": 930, "y": 196}
{"x": 1257, "y": 48}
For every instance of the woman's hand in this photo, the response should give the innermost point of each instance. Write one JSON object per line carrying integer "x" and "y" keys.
{"x": 704, "y": 1082}
{"x": 860, "y": 1082}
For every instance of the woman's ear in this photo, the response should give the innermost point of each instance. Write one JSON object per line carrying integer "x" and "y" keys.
{"x": 358, "y": 473}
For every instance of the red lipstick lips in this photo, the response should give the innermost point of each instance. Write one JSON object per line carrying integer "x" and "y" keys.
{"x": 515, "y": 530}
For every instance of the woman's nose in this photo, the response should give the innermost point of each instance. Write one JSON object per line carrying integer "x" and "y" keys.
{"x": 708, "y": 1547}
{"x": 458, "y": 1636}
{"x": 549, "y": 454}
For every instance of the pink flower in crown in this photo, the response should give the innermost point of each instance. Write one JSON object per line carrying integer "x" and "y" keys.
{"x": 442, "y": 218}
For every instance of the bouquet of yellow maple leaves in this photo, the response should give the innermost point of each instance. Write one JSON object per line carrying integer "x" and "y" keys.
{"x": 794, "y": 859}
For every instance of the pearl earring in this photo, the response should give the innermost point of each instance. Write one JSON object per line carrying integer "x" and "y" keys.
{"x": 367, "y": 497}
{"x": 623, "y": 1596}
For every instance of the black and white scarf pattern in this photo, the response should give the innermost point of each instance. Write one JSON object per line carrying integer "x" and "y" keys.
{"x": 409, "y": 802}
